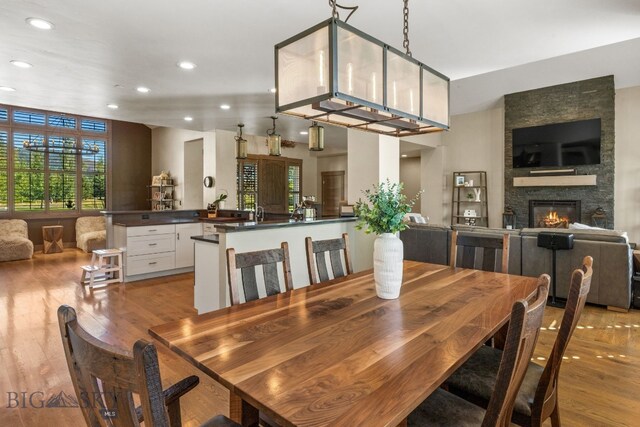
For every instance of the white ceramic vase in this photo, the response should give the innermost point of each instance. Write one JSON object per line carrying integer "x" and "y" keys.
{"x": 388, "y": 253}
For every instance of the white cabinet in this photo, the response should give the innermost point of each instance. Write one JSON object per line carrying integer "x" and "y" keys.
{"x": 184, "y": 244}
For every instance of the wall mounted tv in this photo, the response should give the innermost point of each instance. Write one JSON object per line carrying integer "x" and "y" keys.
{"x": 559, "y": 144}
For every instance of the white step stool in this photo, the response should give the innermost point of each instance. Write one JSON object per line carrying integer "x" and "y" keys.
{"x": 105, "y": 268}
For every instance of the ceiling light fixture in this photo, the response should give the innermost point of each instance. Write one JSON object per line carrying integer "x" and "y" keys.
{"x": 143, "y": 89}
{"x": 273, "y": 90}
{"x": 188, "y": 119}
{"x": 404, "y": 155}
{"x": 354, "y": 80}
{"x": 304, "y": 132}
{"x": 316, "y": 137}
{"x": 241, "y": 143}
{"x": 186, "y": 65}
{"x": 112, "y": 106}
{"x": 7, "y": 89}
{"x": 63, "y": 147}
{"x": 225, "y": 106}
{"x": 39, "y": 23}
{"x": 21, "y": 64}
{"x": 274, "y": 139}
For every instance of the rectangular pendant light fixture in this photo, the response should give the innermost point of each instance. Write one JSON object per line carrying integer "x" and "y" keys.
{"x": 336, "y": 74}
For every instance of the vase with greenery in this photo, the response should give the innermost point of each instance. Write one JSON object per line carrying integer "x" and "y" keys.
{"x": 383, "y": 213}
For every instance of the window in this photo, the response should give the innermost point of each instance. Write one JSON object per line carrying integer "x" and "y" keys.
{"x": 58, "y": 180}
{"x": 247, "y": 184}
{"x": 4, "y": 168}
{"x": 293, "y": 180}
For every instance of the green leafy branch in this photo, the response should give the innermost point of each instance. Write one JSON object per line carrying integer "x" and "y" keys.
{"x": 384, "y": 209}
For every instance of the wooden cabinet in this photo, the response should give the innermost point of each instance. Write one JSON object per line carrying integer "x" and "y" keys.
{"x": 469, "y": 201}
{"x": 184, "y": 243}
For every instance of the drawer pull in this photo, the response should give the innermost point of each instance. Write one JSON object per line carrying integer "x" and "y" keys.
{"x": 153, "y": 244}
{"x": 151, "y": 231}
{"x": 153, "y": 263}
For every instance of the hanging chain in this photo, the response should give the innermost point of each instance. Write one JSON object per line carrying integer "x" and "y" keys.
{"x": 334, "y": 10}
{"x": 405, "y": 29}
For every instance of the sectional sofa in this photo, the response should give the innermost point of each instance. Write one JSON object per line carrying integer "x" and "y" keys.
{"x": 611, "y": 252}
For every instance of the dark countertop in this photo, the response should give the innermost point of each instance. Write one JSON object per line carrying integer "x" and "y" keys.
{"x": 231, "y": 227}
{"x": 156, "y": 221}
{"x": 134, "y": 212}
{"x": 209, "y": 238}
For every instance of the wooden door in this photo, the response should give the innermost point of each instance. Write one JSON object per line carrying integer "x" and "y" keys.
{"x": 332, "y": 193}
{"x": 272, "y": 191}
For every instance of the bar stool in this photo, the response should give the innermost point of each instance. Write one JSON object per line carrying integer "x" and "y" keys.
{"x": 105, "y": 268}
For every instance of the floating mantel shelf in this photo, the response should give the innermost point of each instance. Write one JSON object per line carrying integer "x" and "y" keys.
{"x": 554, "y": 181}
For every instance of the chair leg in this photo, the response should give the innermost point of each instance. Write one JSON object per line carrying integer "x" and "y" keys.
{"x": 555, "y": 416}
{"x": 173, "y": 409}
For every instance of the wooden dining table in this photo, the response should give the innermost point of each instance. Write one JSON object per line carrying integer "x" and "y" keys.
{"x": 336, "y": 354}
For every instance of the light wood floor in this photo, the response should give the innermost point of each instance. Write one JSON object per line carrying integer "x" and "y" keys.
{"x": 599, "y": 380}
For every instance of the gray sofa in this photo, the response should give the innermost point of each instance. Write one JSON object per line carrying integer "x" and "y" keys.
{"x": 611, "y": 252}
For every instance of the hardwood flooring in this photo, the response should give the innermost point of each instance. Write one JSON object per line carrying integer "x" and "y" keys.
{"x": 599, "y": 380}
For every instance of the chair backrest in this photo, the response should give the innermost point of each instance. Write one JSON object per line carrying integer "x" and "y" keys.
{"x": 316, "y": 259}
{"x": 490, "y": 246}
{"x": 247, "y": 263}
{"x": 578, "y": 291}
{"x": 524, "y": 328}
{"x": 105, "y": 377}
{"x": 86, "y": 224}
{"x": 14, "y": 227}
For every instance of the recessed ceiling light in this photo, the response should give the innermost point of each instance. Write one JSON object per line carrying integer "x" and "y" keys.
{"x": 7, "y": 89}
{"x": 143, "y": 89}
{"x": 188, "y": 119}
{"x": 21, "y": 64}
{"x": 273, "y": 90}
{"x": 404, "y": 155}
{"x": 225, "y": 106}
{"x": 304, "y": 132}
{"x": 112, "y": 106}
{"x": 186, "y": 65}
{"x": 40, "y": 24}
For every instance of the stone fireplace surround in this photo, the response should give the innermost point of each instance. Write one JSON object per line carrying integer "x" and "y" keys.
{"x": 555, "y": 104}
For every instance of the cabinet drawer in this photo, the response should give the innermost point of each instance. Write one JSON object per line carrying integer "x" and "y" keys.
{"x": 208, "y": 229}
{"x": 140, "y": 245}
{"x": 150, "y": 230}
{"x": 142, "y": 264}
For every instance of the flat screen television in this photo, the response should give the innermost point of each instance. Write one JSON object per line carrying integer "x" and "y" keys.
{"x": 559, "y": 144}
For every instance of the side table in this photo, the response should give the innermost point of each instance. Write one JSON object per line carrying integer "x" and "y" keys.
{"x": 52, "y": 239}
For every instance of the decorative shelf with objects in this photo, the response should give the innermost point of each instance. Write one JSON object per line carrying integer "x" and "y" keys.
{"x": 161, "y": 197}
{"x": 469, "y": 201}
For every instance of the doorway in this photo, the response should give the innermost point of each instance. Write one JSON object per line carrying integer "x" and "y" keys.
{"x": 192, "y": 193}
{"x": 332, "y": 193}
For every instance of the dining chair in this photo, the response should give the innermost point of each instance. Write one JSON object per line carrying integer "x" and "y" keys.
{"x": 105, "y": 379}
{"x": 247, "y": 262}
{"x": 538, "y": 397}
{"x": 443, "y": 408}
{"x": 474, "y": 243}
{"x": 316, "y": 259}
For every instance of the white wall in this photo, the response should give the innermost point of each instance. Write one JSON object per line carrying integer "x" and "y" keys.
{"x": 167, "y": 153}
{"x": 410, "y": 177}
{"x": 331, "y": 164}
{"x": 476, "y": 143}
{"x": 627, "y": 177}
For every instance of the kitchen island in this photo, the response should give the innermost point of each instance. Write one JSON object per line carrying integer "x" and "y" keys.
{"x": 211, "y": 287}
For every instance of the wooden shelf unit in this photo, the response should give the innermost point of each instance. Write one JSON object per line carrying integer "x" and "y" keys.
{"x": 460, "y": 202}
{"x": 163, "y": 203}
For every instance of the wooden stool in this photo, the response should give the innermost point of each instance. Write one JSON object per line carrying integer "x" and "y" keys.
{"x": 105, "y": 268}
{"x": 52, "y": 239}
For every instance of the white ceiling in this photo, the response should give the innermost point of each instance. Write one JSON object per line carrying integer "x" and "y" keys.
{"x": 99, "y": 51}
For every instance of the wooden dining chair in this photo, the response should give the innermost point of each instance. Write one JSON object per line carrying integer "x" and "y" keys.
{"x": 247, "y": 263}
{"x": 538, "y": 397}
{"x": 472, "y": 244}
{"x": 105, "y": 379}
{"x": 443, "y": 408}
{"x": 316, "y": 259}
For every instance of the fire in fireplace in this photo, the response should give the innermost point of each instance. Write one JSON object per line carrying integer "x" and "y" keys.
{"x": 553, "y": 213}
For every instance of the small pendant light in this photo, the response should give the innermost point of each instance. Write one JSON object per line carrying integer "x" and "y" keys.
{"x": 241, "y": 144}
{"x": 274, "y": 140}
{"x": 316, "y": 137}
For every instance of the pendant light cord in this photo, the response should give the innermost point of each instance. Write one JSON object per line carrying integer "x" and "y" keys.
{"x": 405, "y": 29}
{"x": 334, "y": 9}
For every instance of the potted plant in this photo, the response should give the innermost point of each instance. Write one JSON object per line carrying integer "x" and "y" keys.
{"x": 383, "y": 214}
